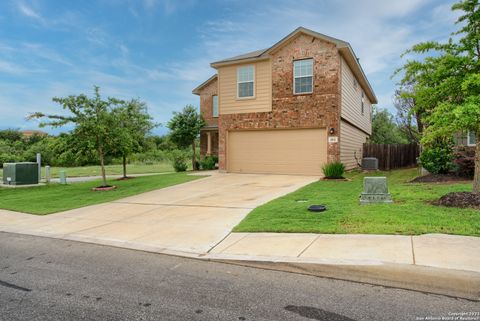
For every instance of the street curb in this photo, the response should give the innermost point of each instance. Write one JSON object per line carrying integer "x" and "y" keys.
{"x": 449, "y": 282}
{"x": 454, "y": 283}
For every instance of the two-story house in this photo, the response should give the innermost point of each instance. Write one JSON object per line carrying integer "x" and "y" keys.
{"x": 287, "y": 109}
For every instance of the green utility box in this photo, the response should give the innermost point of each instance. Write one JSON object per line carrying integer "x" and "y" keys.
{"x": 20, "y": 173}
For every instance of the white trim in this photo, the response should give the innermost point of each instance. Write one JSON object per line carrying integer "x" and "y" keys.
{"x": 468, "y": 139}
{"x": 295, "y": 77}
{"x": 244, "y": 82}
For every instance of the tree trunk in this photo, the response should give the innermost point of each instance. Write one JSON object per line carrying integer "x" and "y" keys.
{"x": 124, "y": 166}
{"x": 102, "y": 165}
{"x": 194, "y": 161}
{"x": 476, "y": 177}
{"x": 419, "y": 122}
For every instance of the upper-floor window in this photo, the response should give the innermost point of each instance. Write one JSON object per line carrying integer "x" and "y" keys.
{"x": 471, "y": 138}
{"x": 215, "y": 106}
{"x": 303, "y": 76}
{"x": 245, "y": 82}
{"x": 363, "y": 103}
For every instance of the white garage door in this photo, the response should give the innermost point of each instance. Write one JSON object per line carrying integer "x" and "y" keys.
{"x": 280, "y": 151}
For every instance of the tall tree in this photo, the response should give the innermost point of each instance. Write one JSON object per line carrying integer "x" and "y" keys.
{"x": 133, "y": 124}
{"x": 408, "y": 117}
{"x": 185, "y": 128}
{"x": 385, "y": 130}
{"x": 447, "y": 81}
{"x": 93, "y": 119}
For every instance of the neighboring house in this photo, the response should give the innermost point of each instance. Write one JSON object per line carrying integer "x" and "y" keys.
{"x": 466, "y": 139}
{"x": 30, "y": 133}
{"x": 287, "y": 109}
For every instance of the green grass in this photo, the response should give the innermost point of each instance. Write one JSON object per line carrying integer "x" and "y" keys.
{"x": 111, "y": 169}
{"x": 409, "y": 215}
{"x": 55, "y": 197}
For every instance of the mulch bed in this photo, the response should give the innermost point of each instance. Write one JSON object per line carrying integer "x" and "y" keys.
{"x": 103, "y": 188}
{"x": 124, "y": 178}
{"x": 342, "y": 179}
{"x": 459, "y": 199}
{"x": 439, "y": 178}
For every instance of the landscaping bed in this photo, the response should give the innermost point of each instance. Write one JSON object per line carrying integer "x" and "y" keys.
{"x": 412, "y": 212}
{"x": 54, "y": 198}
{"x": 459, "y": 199}
{"x": 439, "y": 178}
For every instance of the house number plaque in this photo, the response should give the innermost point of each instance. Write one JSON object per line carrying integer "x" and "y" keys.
{"x": 333, "y": 139}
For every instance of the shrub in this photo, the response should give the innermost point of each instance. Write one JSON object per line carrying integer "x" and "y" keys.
{"x": 180, "y": 165}
{"x": 208, "y": 162}
{"x": 179, "y": 160}
{"x": 464, "y": 160}
{"x": 333, "y": 170}
{"x": 437, "y": 158}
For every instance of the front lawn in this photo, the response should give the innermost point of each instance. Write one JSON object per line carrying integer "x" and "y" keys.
{"x": 409, "y": 215}
{"x": 55, "y": 197}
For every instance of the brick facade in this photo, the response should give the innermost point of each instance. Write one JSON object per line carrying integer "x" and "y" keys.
{"x": 320, "y": 109}
{"x": 206, "y": 109}
{"x": 206, "y": 102}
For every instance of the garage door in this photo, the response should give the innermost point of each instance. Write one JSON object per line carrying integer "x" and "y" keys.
{"x": 292, "y": 151}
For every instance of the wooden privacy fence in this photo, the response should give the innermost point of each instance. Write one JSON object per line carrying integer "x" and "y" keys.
{"x": 391, "y": 156}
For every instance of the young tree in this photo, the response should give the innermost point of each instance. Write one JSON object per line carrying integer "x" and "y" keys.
{"x": 133, "y": 124}
{"x": 385, "y": 130}
{"x": 94, "y": 122}
{"x": 185, "y": 129}
{"x": 447, "y": 83}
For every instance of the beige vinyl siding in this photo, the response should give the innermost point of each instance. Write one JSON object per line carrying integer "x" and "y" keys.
{"x": 277, "y": 151}
{"x": 229, "y": 103}
{"x": 351, "y": 142}
{"x": 352, "y": 99}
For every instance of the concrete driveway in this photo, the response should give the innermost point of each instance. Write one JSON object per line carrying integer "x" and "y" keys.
{"x": 191, "y": 217}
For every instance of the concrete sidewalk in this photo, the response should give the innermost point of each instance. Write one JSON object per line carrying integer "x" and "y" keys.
{"x": 435, "y": 250}
{"x": 435, "y": 263}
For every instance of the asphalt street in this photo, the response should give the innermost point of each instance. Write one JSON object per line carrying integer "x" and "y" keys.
{"x": 49, "y": 279}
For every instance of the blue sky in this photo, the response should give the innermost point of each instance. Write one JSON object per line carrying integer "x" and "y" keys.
{"x": 159, "y": 50}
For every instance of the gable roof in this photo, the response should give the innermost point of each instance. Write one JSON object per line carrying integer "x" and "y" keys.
{"x": 248, "y": 55}
{"x": 344, "y": 48}
{"x": 196, "y": 91}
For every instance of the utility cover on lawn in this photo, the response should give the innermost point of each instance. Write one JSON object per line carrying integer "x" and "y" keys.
{"x": 375, "y": 190}
{"x": 317, "y": 208}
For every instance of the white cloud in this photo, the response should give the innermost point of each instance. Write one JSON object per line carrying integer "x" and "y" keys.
{"x": 45, "y": 52}
{"x": 381, "y": 8}
{"x": 28, "y": 11}
{"x": 171, "y": 6}
{"x": 16, "y": 69}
